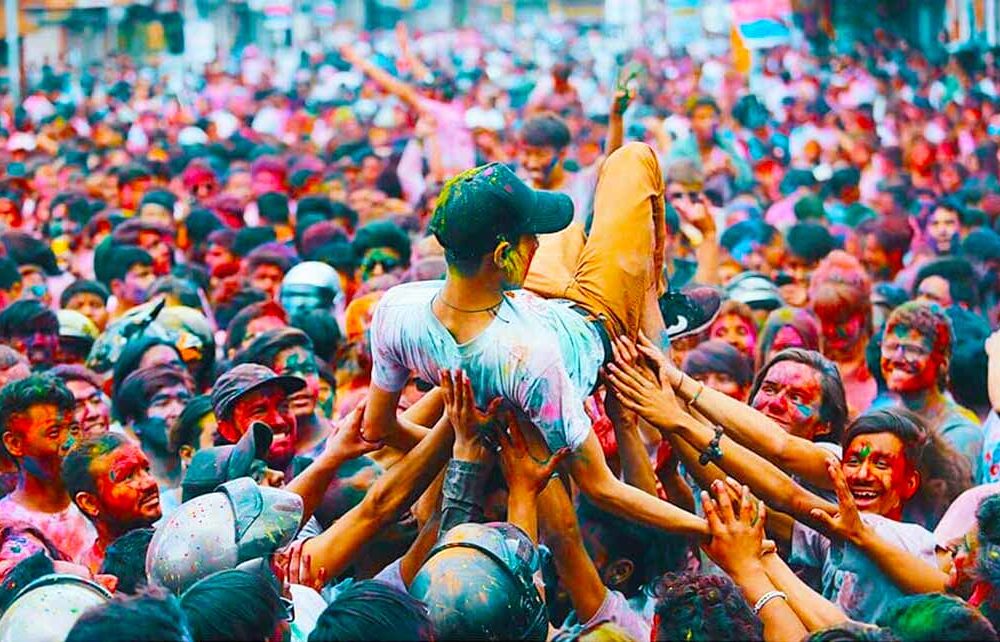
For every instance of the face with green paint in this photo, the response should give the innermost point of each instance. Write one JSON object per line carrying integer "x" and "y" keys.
{"x": 791, "y": 395}
{"x": 378, "y": 261}
{"x": 513, "y": 261}
{"x": 38, "y": 438}
{"x": 299, "y": 362}
{"x": 127, "y": 496}
{"x": 879, "y": 475}
{"x": 964, "y": 552}
{"x": 908, "y": 361}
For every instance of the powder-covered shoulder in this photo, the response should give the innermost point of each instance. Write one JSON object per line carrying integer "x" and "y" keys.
{"x": 410, "y": 294}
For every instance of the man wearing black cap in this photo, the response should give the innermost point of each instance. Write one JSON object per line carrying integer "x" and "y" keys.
{"x": 541, "y": 355}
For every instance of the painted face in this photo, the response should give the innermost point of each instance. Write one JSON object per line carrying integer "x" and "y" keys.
{"x": 515, "y": 261}
{"x": 790, "y": 394}
{"x": 217, "y": 256}
{"x": 908, "y": 362}
{"x": 267, "y": 277}
{"x": 299, "y": 362}
{"x": 935, "y": 289}
{"x": 259, "y": 326}
{"x": 160, "y": 355}
{"x": 90, "y": 306}
{"x": 158, "y": 248}
{"x": 264, "y": 182}
{"x": 842, "y": 337}
{"x": 786, "y": 337}
{"x": 270, "y": 405}
{"x": 736, "y": 331}
{"x": 539, "y": 162}
{"x": 875, "y": 259}
{"x": 39, "y": 438}
{"x": 879, "y": 475}
{"x": 136, "y": 284}
{"x": 942, "y": 226}
{"x": 725, "y": 384}
{"x": 39, "y": 346}
{"x": 327, "y": 398}
{"x": 92, "y": 415}
{"x": 964, "y": 553}
{"x": 126, "y": 491}
{"x": 379, "y": 261}
{"x": 167, "y": 403}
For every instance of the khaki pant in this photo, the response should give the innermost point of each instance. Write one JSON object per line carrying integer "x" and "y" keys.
{"x": 610, "y": 272}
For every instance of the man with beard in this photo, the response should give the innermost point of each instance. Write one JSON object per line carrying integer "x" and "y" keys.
{"x": 109, "y": 480}
{"x": 289, "y": 351}
{"x": 33, "y": 330}
{"x": 36, "y": 426}
{"x": 840, "y": 294}
{"x": 916, "y": 354}
{"x": 251, "y": 392}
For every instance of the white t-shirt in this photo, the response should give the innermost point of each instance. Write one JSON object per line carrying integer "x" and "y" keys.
{"x": 538, "y": 354}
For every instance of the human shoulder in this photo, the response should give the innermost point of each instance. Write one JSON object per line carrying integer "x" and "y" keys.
{"x": 410, "y": 294}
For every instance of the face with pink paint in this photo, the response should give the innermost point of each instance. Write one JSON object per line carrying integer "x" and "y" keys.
{"x": 909, "y": 362}
{"x": 265, "y": 181}
{"x": 791, "y": 395}
{"x": 736, "y": 331}
{"x": 879, "y": 475}
{"x": 786, "y": 337}
{"x": 841, "y": 338}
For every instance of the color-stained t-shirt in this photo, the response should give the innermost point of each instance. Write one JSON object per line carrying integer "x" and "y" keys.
{"x": 989, "y": 463}
{"x": 538, "y": 354}
{"x": 69, "y": 530}
{"x": 614, "y": 609}
{"x": 850, "y": 579}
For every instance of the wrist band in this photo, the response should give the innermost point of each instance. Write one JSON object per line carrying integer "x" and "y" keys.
{"x": 712, "y": 452}
{"x": 765, "y": 598}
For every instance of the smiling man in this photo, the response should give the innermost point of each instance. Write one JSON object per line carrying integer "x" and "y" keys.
{"x": 92, "y": 413}
{"x": 916, "y": 354}
{"x": 109, "y": 480}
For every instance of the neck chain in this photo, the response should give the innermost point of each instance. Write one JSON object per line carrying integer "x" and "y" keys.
{"x": 491, "y": 309}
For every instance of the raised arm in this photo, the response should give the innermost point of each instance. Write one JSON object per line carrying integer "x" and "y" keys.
{"x": 814, "y": 611}
{"x": 383, "y": 424}
{"x": 526, "y": 474}
{"x": 385, "y": 80}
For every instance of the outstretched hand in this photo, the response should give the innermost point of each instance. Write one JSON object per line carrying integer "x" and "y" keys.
{"x": 667, "y": 374}
{"x": 736, "y": 524}
{"x": 346, "y": 441}
{"x": 470, "y": 424}
{"x": 846, "y": 522}
{"x": 638, "y": 388}
{"x": 524, "y": 471}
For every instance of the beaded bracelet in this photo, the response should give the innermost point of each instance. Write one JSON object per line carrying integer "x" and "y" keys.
{"x": 767, "y": 597}
{"x": 713, "y": 452}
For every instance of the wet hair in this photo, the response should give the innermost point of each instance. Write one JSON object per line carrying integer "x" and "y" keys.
{"x": 83, "y": 286}
{"x": 232, "y": 605}
{"x": 851, "y": 632}
{"x": 696, "y": 607}
{"x": 959, "y": 274}
{"x": 935, "y": 616}
{"x": 27, "y": 316}
{"x": 373, "y": 610}
{"x": 131, "y": 356}
{"x": 944, "y": 474}
{"x": 76, "y": 466}
{"x": 809, "y": 241}
{"x": 546, "y": 130}
{"x": 265, "y": 347}
{"x": 37, "y": 389}
{"x": 652, "y": 552}
{"x": 237, "y": 329}
{"x": 840, "y": 287}
{"x": 930, "y": 321}
{"x": 892, "y": 233}
{"x": 125, "y": 558}
{"x": 153, "y": 615}
{"x": 719, "y": 357}
{"x": 382, "y": 234}
{"x": 186, "y": 431}
{"x": 132, "y": 399}
{"x": 183, "y": 290}
{"x": 322, "y": 329}
{"x": 803, "y": 321}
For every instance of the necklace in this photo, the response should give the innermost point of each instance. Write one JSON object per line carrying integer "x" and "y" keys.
{"x": 491, "y": 309}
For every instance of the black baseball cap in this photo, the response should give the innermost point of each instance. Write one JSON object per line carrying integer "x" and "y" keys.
{"x": 213, "y": 466}
{"x": 479, "y": 206}
{"x": 246, "y": 378}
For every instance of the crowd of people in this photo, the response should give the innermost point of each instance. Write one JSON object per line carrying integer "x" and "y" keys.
{"x": 506, "y": 334}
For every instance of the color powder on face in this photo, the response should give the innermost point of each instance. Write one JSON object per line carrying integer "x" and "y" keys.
{"x": 866, "y": 450}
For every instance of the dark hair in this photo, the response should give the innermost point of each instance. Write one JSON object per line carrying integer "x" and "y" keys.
{"x": 152, "y": 615}
{"x": 76, "y": 465}
{"x": 944, "y": 474}
{"x": 237, "y": 329}
{"x": 37, "y": 389}
{"x": 322, "y": 329}
{"x": 987, "y": 561}
{"x": 225, "y": 311}
{"x": 959, "y": 274}
{"x": 935, "y": 616}
{"x": 115, "y": 263}
{"x": 833, "y": 408}
{"x": 73, "y": 372}
{"x": 267, "y": 254}
{"x": 930, "y": 321}
{"x": 186, "y": 431}
{"x": 183, "y": 290}
{"x": 128, "y": 232}
{"x": 83, "y": 286}
{"x": 809, "y": 241}
{"x": 851, "y": 632}
{"x": 27, "y": 316}
{"x": 698, "y": 607}
{"x": 802, "y": 320}
{"x": 892, "y": 233}
{"x": 131, "y": 400}
{"x": 652, "y": 552}
{"x": 373, "y": 610}
{"x": 969, "y": 363}
{"x": 382, "y": 234}
{"x": 125, "y": 558}
{"x": 232, "y": 605}
{"x": 265, "y": 347}
{"x": 131, "y": 356}
{"x": 719, "y": 357}
{"x": 546, "y": 130}
{"x": 9, "y": 274}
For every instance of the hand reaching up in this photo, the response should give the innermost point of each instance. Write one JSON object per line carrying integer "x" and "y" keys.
{"x": 525, "y": 472}
{"x": 471, "y": 425}
{"x": 737, "y": 529}
{"x": 346, "y": 441}
{"x": 846, "y": 522}
{"x": 639, "y": 390}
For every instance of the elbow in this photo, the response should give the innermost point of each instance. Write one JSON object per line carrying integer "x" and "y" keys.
{"x": 380, "y": 504}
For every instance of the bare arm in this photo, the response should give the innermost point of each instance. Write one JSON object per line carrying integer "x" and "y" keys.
{"x": 385, "y": 80}
{"x": 382, "y": 423}
{"x": 636, "y": 467}
{"x": 815, "y": 611}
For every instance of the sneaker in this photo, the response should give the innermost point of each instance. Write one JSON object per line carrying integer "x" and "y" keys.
{"x": 689, "y": 311}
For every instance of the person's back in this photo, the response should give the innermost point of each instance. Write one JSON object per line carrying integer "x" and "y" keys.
{"x": 538, "y": 353}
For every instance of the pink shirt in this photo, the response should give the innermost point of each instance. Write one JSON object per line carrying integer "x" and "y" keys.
{"x": 458, "y": 150}
{"x": 69, "y": 530}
